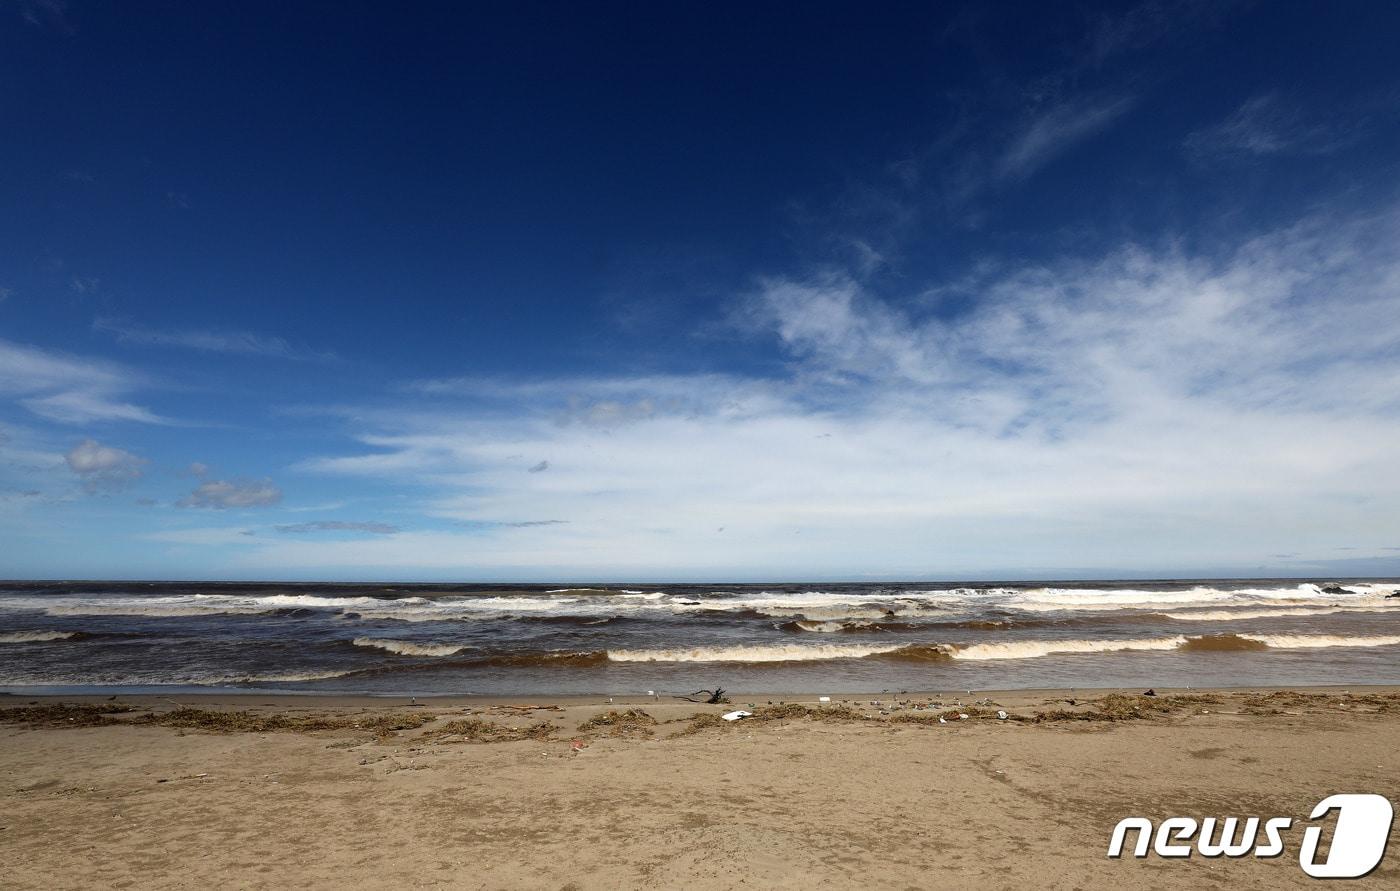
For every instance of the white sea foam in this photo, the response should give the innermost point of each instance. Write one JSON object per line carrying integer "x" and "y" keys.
{"x": 34, "y": 636}
{"x": 829, "y": 627}
{"x": 152, "y": 610}
{"x": 1307, "y": 594}
{"x": 308, "y": 601}
{"x": 1030, "y": 649}
{"x": 811, "y": 605}
{"x": 408, "y": 647}
{"x": 1317, "y": 641}
{"x": 777, "y": 653}
{"x": 1229, "y": 615}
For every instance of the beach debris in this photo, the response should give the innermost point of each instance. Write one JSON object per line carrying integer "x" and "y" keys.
{"x": 714, "y": 697}
{"x": 962, "y": 716}
{"x": 63, "y": 714}
{"x": 1002, "y": 715}
{"x": 1150, "y": 692}
{"x": 736, "y": 715}
{"x": 577, "y": 745}
{"x": 823, "y": 699}
{"x": 632, "y": 721}
{"x": 250, "y": 722}
{"x": 942, "y": 720}
{"x": 697, "y": 722}
{"x": 528, "y": 708}
{"x": 475, "y": 730}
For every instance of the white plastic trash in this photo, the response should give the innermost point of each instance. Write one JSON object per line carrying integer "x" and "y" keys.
{"x": 1002, "y": 716}
{"x": 823, "y": 699}
{"x": 734, "y": 716}
{"x": 962, "y": 716}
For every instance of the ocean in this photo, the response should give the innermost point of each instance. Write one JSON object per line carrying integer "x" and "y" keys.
{"x": 128, "y": 637}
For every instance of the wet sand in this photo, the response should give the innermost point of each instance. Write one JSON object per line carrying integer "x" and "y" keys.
{"x": 258, "y": 791}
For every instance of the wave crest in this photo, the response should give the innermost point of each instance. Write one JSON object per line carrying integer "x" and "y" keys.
{"x": 35, "y": 636}
{"x": 409, "y": 647}
{"x": 1030, "y": 649}
{"x": 1318, "y": 641}
{"x": 759, "y": 653}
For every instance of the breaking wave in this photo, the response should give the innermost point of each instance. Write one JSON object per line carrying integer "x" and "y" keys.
{"x": 408, "y": 647}
{"x": 1232, "y": 615}
{"x": 776, "y": 653}
{"x": 1030, "y": 649}
{"x": 832, "y": 627}
{"x": 982, "y": 652}
{"x": 1223, "y": 643}
{"x": 1317, "y": 641}
{"x": 35, "y": 636}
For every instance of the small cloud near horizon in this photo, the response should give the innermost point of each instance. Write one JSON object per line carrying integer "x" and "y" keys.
{"x": 224, "y": 494}
{"x": 338, "y": 526}
{"x": 103, "y": 468}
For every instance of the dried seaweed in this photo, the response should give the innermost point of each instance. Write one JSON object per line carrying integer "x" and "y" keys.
{"x": 476, "y": 730}
{"x": 64, "y": 714}
{"x": 631, "y": 722}
{"x": 187, "y": 718}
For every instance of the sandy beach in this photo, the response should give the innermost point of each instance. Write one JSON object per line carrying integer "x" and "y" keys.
{"x": 266, "y": 791}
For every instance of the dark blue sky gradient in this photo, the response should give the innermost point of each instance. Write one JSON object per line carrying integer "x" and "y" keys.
{"x": 547, "y": 190}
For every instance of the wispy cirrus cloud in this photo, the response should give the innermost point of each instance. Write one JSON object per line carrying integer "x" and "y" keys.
{"x": 71, "y": 389}
{"x": 214, "y": 341}
{"x": 1052, "y": 131}
{"x": 509, "y": 524}
{"x": 1265, "y": 125}
{"x": 338, "y": 526}
{"x": 51, "y": 14}
{"x": 1149, "y": 22}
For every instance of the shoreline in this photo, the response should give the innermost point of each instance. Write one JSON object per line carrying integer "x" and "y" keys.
{"x": 456, "y": 700}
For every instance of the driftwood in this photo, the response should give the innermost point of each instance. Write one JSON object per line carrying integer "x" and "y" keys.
{"x": 716, "y": 696}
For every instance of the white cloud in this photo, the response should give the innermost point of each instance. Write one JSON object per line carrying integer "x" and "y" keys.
{"x": 70, "y": 389}
{"x": 103, "y": 468}
{"x": 1143, "y": 408}
{"x": 339, "y": 526}
{"x": 222, "y": 494}
{"x": 1052, "y": 131}
{"x": 84, "y": 284}
{"x": 1264, "y": 125}
{"x": 208, "y": 536}
{"x": 213, "y": 341}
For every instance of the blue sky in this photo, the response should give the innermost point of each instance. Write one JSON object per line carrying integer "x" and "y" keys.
{"x": 680, "y": 291}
